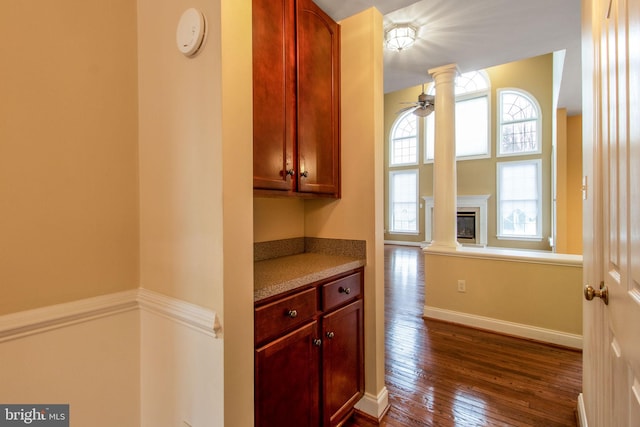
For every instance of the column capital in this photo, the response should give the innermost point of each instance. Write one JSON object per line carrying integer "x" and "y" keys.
{"x": 451, "y": 69}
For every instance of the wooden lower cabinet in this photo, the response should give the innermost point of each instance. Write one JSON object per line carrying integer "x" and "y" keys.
{"x": 288, "y": 379}
{"x": 311, "y": 374}
{"x": 342, "y": 357}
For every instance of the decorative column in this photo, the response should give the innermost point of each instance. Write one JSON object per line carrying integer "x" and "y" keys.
{"x": 444, "y": 162}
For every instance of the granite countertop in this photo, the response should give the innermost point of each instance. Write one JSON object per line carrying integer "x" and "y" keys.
{"x": 285, "y": 273}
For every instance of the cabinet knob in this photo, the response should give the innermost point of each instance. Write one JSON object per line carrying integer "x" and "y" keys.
{"x": 345, "y": 291}
{"x": 290, "y": 172}
{"x": 330, "y": 335}
{"x": 317, "y": 342}
{"x": 292, "y": 313}
{"x": 304, "y": 174}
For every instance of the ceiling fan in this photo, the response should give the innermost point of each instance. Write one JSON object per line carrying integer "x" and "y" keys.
{"x": 423, "y": 107}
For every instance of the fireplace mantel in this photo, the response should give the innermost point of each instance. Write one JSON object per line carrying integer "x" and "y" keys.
{"x": 478, "y": 202}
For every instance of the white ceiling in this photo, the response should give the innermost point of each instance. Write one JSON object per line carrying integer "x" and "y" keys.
{"x": 476, "y": 34}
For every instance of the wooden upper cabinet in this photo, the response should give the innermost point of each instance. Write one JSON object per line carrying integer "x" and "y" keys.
{"x": 274, "y": 94}
{"x": 296, "y": 98}
{"x": 318, "y": 100}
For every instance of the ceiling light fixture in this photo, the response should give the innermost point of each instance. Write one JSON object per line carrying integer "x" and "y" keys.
{"x": 400, "y": 37}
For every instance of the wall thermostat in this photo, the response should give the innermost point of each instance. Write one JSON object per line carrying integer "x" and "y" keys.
{"x": 191, "y": 31}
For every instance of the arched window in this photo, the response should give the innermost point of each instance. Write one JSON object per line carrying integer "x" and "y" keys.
{"x": 403, "y": 183}
{"x": 404, "y": 141}
{"x": 472, "y": 118}
{"x": 519, "y": 123}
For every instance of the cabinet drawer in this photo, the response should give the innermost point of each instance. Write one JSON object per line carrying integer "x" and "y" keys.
{"x": 342, "y": 290}
{"x": 281, "y": 315}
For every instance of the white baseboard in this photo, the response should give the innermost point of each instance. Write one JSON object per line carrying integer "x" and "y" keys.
{"x": 403, "y": 243}
{"x": 39, "y": 320}
{"x": 374, "y": 406}
{"x": 582, "y": 413}
{"x": 510, "y": 328}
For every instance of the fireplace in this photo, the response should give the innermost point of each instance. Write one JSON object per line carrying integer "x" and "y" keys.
{"x": 471, "y": 222}
{"x": 466, "y": 226}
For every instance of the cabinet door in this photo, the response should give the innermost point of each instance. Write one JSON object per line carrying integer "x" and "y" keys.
{"x": 274, "y": 96}
{"x": 343, "y": 361}
{"x": 318, "y": 39}
{"x": 287, "y": 384}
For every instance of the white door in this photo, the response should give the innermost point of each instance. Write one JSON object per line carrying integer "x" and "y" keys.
{"x": 611, "y": 133}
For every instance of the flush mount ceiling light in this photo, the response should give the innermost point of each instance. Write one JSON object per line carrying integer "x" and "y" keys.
{"x": 400, "y": 37}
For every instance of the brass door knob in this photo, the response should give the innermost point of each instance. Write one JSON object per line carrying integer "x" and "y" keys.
{"x": 603, "y": 293}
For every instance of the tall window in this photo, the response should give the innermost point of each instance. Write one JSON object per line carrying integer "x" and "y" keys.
{"x": 472, "y": 118}
{"x": 520, "y": 199}
{"x": 404, "y": 141}
{"x": 518, "y": 123}
{"x": 403, "y": 201}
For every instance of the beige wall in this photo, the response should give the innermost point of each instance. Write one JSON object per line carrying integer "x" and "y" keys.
{"x": 569, "y": 184}
{"x": 180, "y": 374}
{"x": 358, "y": 214}
{"x": 561, "y": 178}
{"x": 574, "y": 185}
{"x": 97, "y": 378}
{"x": 180, "y": 157}
{"x": 276, "y": 219}
{"x": 527, "y": 294}
{"x": 237, "y": 213}
{"x": 475, "y": 177}
{"x": 196, "y": 210}
{"x": 100, "y": 134}
{"x": 68, "y": 151}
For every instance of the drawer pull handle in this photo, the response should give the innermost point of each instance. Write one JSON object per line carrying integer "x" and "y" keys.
{"x": 345, "y": 291}
{"x": 317, "y": 342}
{"x": 292, "y": 314}
{"x": 330, "y": 335}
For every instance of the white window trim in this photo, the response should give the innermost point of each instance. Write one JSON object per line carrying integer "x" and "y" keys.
{"x": 390, "y": 207}
{"x": 392, "y": 139}
{"x": 536, "y": 104}
{"x": 538, "y": 237}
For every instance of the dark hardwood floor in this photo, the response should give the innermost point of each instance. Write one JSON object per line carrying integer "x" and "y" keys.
{"x": 441, "y": 374}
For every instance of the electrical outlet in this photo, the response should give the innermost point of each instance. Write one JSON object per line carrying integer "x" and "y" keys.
{"x": 462, "y": 286}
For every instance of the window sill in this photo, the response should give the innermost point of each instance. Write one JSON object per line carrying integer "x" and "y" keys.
{"x": 521, "y": 238}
